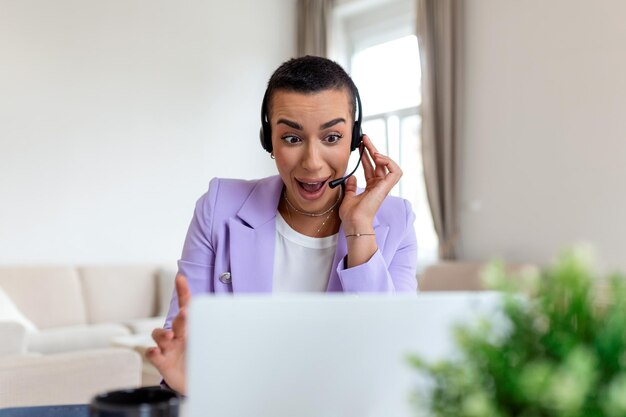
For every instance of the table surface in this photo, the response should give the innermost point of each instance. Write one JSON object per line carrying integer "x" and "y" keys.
{"x": 72, "y": 410}
{"x": 75, "y": 410}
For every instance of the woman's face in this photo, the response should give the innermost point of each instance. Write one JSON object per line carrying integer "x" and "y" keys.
{"x": 311, "y": 136}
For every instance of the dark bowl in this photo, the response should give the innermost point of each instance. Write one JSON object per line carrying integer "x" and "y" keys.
{"x": 138, "y": 402}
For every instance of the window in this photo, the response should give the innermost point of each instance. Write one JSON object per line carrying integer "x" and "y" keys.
{"x": 379, "y": 48}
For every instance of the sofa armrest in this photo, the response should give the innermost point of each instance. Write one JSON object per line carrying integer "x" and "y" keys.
{"x": 12, "y": 338}
{"x": 66, "y": 378}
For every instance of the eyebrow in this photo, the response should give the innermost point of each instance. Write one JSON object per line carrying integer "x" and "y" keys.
{"x": 332, "y": 123}
{"x": 290, "y": 123}
{"x": 297, "y": 126}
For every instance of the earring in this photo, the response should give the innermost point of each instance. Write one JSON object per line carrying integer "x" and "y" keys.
{"x": 272, "y": 155}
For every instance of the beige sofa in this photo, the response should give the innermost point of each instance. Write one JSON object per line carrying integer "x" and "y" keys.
{"x": 460, "y": 275}
{"x": 77, "y": 308}
{"x": 65, "y": 352}
{"x": 29, "y": 379}
{"x": 66, "y": 378}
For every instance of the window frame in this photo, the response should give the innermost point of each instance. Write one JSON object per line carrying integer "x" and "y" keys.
{"x": 360, "y": 24}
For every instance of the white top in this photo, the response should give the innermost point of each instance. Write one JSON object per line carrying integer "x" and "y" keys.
{"x": 301, "y": 263}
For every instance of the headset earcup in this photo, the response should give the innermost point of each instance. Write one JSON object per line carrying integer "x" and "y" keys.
{"x": 357, "y": 136}
{"x": 266, "y": 131}
{"x": 261, "y": 137}
{"x": 265, "y": 134}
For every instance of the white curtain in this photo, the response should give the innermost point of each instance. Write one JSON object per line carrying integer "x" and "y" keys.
{"x": 313, "y": 27}
{"x": 437, "y": 31}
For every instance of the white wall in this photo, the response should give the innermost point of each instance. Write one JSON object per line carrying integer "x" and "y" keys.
{"x": 543, "y": 140}
{"x": 115, "y": 114}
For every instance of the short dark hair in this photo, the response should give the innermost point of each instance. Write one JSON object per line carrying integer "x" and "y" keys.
{"x": 310, "y": 74}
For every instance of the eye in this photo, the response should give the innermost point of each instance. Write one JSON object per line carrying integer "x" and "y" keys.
{"x": 291, "y": 140}
{"x": 333, "y": 138}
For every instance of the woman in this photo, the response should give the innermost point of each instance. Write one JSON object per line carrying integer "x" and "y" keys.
{"x": 294, "y": 232}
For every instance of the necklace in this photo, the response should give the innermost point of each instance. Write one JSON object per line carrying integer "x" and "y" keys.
{"x": 306, "y": 213}
{"x": 319, "y": 229}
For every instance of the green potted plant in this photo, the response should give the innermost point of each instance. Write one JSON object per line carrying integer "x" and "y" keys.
{"x": 562, "y": 351}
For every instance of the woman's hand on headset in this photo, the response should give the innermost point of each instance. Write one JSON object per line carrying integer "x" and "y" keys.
{"x": 357, "y": 211}
{"x": 169, "y": 355}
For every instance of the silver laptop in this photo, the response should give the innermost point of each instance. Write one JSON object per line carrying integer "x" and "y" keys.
{"x": 318, "y": 355}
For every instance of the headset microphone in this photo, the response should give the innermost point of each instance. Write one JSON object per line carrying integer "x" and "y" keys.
{"x": 342, "y": 180}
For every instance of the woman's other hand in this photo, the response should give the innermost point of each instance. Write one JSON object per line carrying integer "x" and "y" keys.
{"x": 169, "y": 355}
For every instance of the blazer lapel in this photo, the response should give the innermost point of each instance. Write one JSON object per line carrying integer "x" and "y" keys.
{"x": 253, "y": 238}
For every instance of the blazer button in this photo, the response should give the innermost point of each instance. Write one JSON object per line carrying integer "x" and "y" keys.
{"x": 225, "y": 278}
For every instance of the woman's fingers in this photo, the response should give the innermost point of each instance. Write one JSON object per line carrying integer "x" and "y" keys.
{"x": 394, "y": 172}
{"x": 168, "y": 355}
{"x": 179, "y": 325}
{"x": 368, "y": 168}
{"x": 369, "y": 145}
{"x": 158, "y": 358}
{"x": 386, "y": 169}
{"x": 182, "y": 291}
{"x": 162, "y": 336}
{"x": 371, "y": 149}
{"x": 155, "y": 356}
{"x": 350, "y": 187}
{"x": 163, "y": 339}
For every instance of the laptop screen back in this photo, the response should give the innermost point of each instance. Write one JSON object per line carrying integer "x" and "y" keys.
{"x": 318, "y": 355}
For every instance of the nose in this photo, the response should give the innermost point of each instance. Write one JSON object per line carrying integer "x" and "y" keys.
{"x": 312, "y": 159}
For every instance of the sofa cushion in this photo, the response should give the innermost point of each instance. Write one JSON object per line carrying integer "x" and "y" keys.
{"x": 70, "y": 338}
{"x": 48, "y": 296}
{"x": 116, "y": 293}
{"x": 462, "y": 276}
{"x": 9, "y": 312}
{"x": 452, "y": 276}
{"x": 12, "y": 338}
{"x": 144, "y": 326}
{"x": 68, "y": 378}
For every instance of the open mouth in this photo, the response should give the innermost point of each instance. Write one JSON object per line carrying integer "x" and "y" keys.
{"x": 312, "y": 187}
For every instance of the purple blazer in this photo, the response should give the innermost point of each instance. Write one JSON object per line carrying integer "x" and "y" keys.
{"x": 233, "y": 231}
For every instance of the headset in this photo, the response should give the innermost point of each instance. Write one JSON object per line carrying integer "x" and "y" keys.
{"x": 356, "y": 141}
